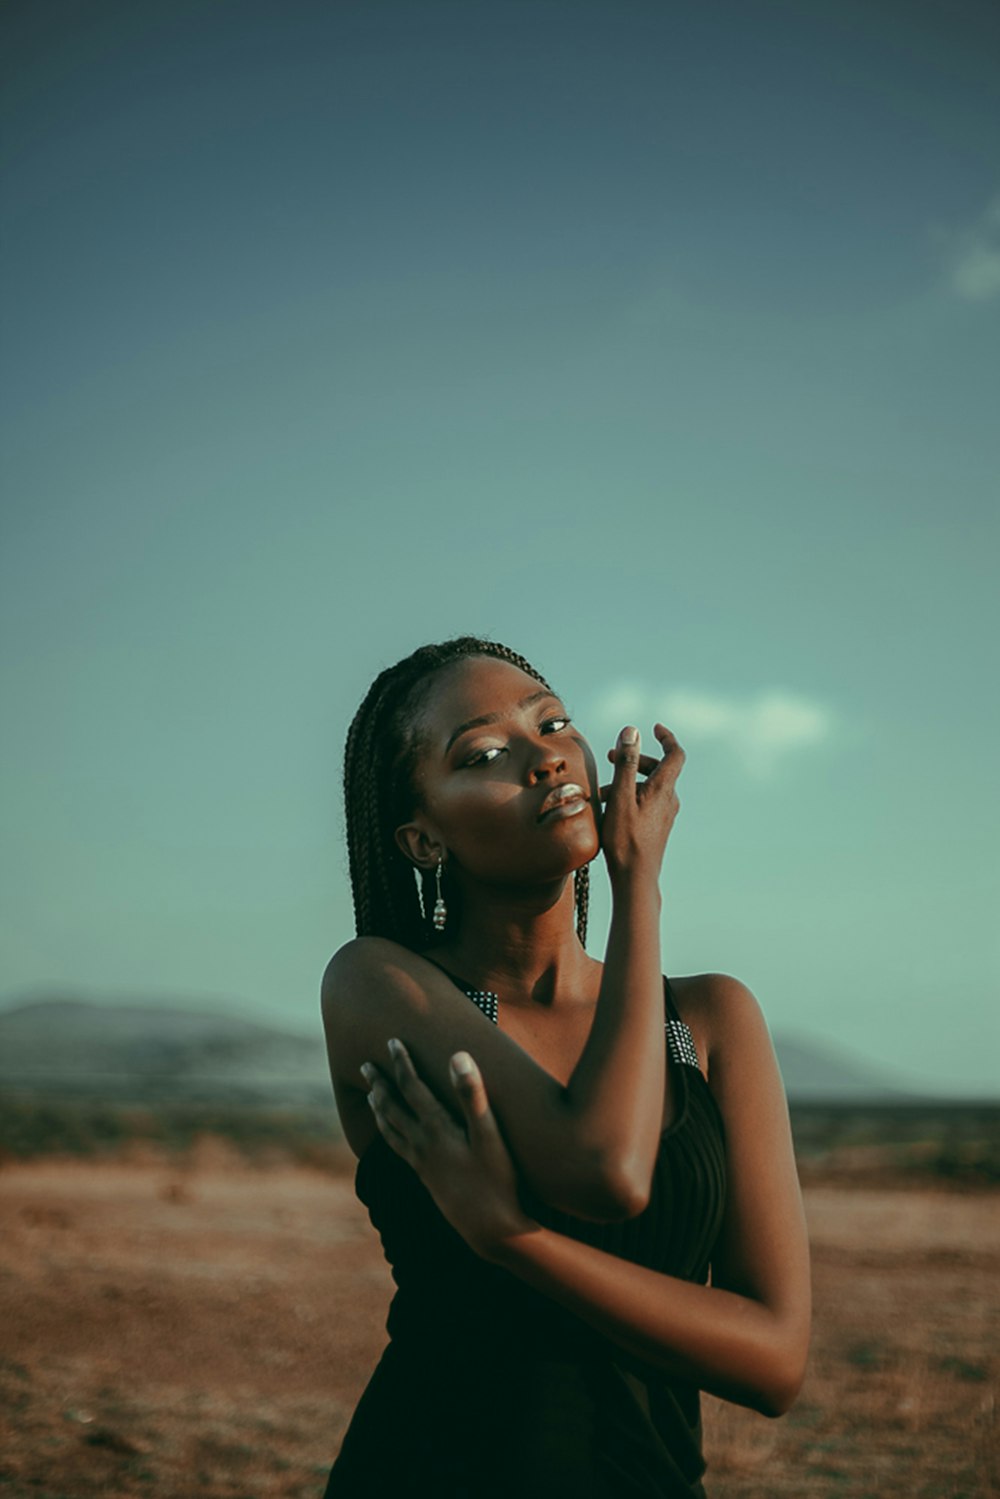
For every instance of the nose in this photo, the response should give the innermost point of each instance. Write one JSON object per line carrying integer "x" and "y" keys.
{"x": 546, "y": 760}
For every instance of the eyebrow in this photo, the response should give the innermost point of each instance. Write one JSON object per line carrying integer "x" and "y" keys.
{"x": 475, "y": 723}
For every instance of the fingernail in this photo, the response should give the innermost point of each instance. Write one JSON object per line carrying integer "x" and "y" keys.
{"x": 462, "y": 1064}
{"x": 367, "y": 1071}
{"x": 371, "y": 1100}
{"x": 395, "y": 1047}
{"x": 629, "y": 735}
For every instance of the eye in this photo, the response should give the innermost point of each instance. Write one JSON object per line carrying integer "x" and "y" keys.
{"x": 486, "y": 756}
{"x": 556, "y": 725}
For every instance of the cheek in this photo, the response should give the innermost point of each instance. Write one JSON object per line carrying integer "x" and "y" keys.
{"x": 473, "y": 807}
{"x": 591, "y": 764}
{"x": 466, "y": 807}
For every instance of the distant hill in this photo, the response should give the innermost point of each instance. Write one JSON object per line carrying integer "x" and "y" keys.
{"x": 814, "y": 1073}
{"x": 134, "y": 1050}
{"x": 129, "y": 1051}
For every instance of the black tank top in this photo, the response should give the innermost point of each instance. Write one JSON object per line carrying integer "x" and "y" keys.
{"x": 494, "y": 1389}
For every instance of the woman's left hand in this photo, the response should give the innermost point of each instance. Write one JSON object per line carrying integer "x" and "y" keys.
{"x": 467, "y": 1170}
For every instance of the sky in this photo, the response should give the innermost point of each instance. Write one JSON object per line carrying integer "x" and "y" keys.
{"x": 654, "y": 340}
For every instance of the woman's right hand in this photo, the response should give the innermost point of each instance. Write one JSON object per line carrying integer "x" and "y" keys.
{"x": 638, "y": 815}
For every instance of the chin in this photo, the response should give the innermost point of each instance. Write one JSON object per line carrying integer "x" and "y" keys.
{"x": 583, "y": 844}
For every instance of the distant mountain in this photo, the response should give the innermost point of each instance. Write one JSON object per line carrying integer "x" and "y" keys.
{"x": 152, "y": 1051}
{"x": 138, "y": 1050}
{"x": 817, "y": 1073}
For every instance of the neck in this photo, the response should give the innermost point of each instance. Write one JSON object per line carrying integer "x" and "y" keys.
{"x": 523, "y": 945}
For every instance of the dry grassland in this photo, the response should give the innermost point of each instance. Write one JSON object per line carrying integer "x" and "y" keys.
{"x": 206, "y": 1331}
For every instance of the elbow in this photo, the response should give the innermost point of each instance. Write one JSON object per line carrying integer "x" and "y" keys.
{"x": 612, "y": 1183}
{"x": 626, "y": 1193}
{"x": 630, "y": 1202}
{"x": 602, "y": 1194}
{"x": 775, "y": 1401}
{"x": 779, "y": 1390}
{"x": 769, "y": 1369}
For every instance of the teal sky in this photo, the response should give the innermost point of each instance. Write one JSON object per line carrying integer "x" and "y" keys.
{"x": 661, "y": 342}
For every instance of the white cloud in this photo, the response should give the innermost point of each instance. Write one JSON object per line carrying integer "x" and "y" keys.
{"x": 976, "y": 273}
{"x": 760, "y": 730}
{"x": 975, "y": 257}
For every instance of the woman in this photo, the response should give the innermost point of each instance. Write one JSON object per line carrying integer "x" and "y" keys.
{"x": 554, "y": 1166}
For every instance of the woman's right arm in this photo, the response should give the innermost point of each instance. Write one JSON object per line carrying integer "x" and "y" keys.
{"x": 587, "y": 1148}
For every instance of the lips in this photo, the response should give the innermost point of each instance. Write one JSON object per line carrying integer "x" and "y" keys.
{"x": 562, "y": 797}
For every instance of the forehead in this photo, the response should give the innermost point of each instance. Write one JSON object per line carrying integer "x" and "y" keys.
{"x": 471, "y": 688}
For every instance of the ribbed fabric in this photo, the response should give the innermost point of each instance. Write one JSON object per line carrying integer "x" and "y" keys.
{"x": 489, "y": 1388}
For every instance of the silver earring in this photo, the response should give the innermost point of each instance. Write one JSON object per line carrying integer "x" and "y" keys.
{"x": 440, "y": 909}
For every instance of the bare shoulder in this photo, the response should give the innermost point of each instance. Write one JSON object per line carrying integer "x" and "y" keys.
{"x": 724, "y": 1017}
{"x": 366, "y": 967}
{"x": 362, "y": 956}
{"x": 370, "y": 986}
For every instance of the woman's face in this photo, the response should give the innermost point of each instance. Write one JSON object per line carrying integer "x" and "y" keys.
{"x": 506, "y": 786}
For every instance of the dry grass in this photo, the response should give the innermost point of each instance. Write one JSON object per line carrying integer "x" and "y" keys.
{"x": 205, "y": 1329}
{"x": 900, "y": 1397}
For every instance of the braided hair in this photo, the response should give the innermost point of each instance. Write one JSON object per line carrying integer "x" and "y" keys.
{"x": 379, "y": 764}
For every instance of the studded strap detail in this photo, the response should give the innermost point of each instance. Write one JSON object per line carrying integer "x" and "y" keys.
{"x": 680, "y": 1042}
{"x": 485, "y": 1000}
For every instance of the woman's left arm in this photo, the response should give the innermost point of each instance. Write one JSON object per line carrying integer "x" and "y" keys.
{"x": 745, "y": 1337}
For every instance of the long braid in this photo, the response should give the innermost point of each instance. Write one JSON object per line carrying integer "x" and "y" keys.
{"x": 378, "y": 767}
{"x": 581, "y": 892}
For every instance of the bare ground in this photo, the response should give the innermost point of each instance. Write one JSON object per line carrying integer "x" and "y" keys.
{"x": 206, "y": 1331}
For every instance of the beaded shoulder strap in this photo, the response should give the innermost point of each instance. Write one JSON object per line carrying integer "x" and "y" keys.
{"x": 485, "y": 1000}
{"x": 680, "y": 1042}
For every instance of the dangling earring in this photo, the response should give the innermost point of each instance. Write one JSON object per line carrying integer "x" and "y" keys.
{"x": 440, "y": 909}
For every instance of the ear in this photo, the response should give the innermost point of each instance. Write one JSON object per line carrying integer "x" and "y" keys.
{"x": 419, "y": 845}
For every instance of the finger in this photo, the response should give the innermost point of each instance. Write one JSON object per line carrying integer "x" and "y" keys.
{"x": 410, "y": 1084}
{"x": 667, "y": 738}
{"x": 626, "y": 762}
{"x": 394, "y": 1137}
{"x": 647, "y": 763}
{"x": 373, "y": 1075}
{"x": 666, "y": 771}
{"x": 481, "y": 1123}
{"x": 469, "y": 1085}
{"x": 385, "y": 1099}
